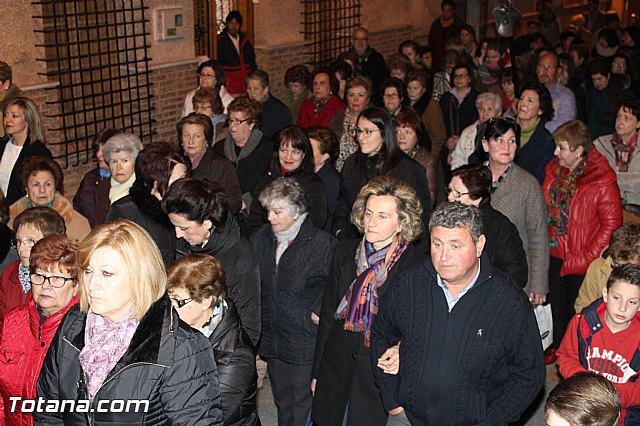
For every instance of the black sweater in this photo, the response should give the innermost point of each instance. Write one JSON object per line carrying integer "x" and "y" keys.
{"x": 481, "y": 363}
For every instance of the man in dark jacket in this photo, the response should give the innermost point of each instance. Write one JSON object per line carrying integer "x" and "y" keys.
{"x": 371, "y": 62}
{"x": 471, "y": 357}
{"x": 235, "y": 53}
{"x": 275, "y": 114}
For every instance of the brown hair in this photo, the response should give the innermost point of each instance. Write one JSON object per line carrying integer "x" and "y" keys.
{"x": 211, "y": 96}
{"x": 33, "y": 165}
{"x": 359, "y": 81}
{"x": 200, "y": 275}
{"x": 44, "y": 219}
{"x": 576, "y": 134}
{"x": 624, "y": 245}
{"x": 250, "y": 108}
{"x": 54, "y": 251}
{"x": 197, "y": 119}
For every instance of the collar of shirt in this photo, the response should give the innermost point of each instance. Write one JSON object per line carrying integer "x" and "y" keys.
{"x": 451, "y": 301}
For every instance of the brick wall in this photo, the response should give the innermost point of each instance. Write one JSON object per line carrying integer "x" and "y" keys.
{"x": 170, "y": 86}
{"x": 276, "y": 60}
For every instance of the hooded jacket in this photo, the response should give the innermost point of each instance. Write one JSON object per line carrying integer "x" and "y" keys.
{"x": 241, "y": 270}
{"x": 167, "y": 363}
{"x": 24, "y": 342}
{"x": 595, "y": 212}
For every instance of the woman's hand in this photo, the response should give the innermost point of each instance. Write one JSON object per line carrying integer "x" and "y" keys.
{"x": 396, "y": 411}
{"x": 537, "y": 299}
{"x": 315, "y": 318}
{"x": 313, "y": 386}
{"x": 389, "y": 362}
{"x": 452, "y": 142}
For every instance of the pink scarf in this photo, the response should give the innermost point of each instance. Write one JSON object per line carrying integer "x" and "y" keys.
{"x": 105, "y": 343}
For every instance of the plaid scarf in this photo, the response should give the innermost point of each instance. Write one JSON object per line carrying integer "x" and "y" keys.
{"x": 359, "y": 306}
{"x": 318, "y": 105}
{"x": 562, "y": 188}
{"x": 624, "y": 153}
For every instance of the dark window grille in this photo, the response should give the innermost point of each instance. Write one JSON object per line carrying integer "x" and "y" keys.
{"x": 97, "y": 50}
{"x": 328, "y": 25}
{"x": 205, "y": 12}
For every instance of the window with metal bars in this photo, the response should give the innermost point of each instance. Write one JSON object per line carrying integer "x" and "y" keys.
{"x": 97, "y": 50}
{"x": 206, "y": 12}
{"x": 328, "y": 25}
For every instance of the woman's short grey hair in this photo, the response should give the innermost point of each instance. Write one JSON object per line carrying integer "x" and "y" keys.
{"x": 288, "y": 193}
{"x": 490, "y": 97}
{"x": 122, "y": 142}
{"x": 408, "y": 206}
{"x": 457, "y": 215}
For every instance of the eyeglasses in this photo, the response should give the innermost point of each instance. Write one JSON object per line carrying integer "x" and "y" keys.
{"x": 356, "y": 131}
{"x": 207, "y": 75}
{"x": 460, "y": 75}
{"x": 236, "y": 121}
{"x": 391, "y": 96}
{"x": 27, "y": 242}
{"x": 199, "y": 107}
{"x": 181, "y": 302}
{"x": 456, "y": 193}
{"x": 55, "y": 281}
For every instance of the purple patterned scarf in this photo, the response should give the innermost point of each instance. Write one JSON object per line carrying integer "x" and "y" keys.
{"x": 359, "y": 306}
{"x": 105, "y": 343}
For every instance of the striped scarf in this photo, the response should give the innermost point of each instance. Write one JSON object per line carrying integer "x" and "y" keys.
{"x": 359, "y": 306}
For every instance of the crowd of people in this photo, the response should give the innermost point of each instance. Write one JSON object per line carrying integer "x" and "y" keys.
{"x": 376, "y": 241}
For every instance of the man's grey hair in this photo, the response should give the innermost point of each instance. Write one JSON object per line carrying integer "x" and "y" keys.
{"x": 490, "y": 97}
{"x": 457, "y": 215}
{"x": 288, "y": 193}
{"x": 122, "y": 142}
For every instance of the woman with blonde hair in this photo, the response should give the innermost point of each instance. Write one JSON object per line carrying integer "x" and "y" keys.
{"x": 387, "y": 211}
{"x": 24, "y": 138}
{"x": 126, "y": 342}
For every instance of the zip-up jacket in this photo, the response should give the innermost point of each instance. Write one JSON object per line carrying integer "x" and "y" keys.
{"x": 167, "y": 364}
{"x": 292, "y": 290}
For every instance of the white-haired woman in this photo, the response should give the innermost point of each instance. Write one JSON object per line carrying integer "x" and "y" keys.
{"x": 120, "y": 153}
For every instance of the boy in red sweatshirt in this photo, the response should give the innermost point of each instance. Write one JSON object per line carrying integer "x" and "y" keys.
{"x": 605, "y": 339}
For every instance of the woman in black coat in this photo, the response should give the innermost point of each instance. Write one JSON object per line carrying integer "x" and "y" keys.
{"x": 379, "y": 154}
{"x": 388, "y": 212}
{"x": 471, "y": 185}
{"x": 294, "y": 257}
{"x": 22, "y": 128}
{"x": 198, "y": 291}
{"x": 294, "y": 158}
{"x": 199, "y": 212}
{"x": 125, "y": 342}
{"x": 158, "y": 165}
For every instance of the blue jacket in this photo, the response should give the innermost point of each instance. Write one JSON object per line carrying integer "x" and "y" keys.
{"x": 534, "y": 156}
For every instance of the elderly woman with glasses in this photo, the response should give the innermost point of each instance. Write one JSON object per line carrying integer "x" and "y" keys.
{"x": 28, "y": 330}
{"x": 246, "y": 147}
{"x": 387, "y": 211}
{"x": 125, "y": 341}
{"x": 198, "y": 291}
{"x": 294, "y": 257}
{"x": 378, "y": 154}
{"x": 207, "y": 102}
{"x": 31, "y": 226}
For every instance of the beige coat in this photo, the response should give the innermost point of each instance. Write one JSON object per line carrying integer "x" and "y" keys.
{"x": 77, "y": 225}
{"x": 594, "y": 281}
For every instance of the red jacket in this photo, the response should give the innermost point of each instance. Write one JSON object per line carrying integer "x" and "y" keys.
{"x": 11, "y": 293}
{"x": 307, "y": 118}
{"x": 595, "y": 212}
{"x": 23, "y": 346}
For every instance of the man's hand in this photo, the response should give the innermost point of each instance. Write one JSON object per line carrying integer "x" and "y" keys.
{"x": 389, "y": 362}
{"x": 396, "y": 411}
{"x": 313, "y": 386}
